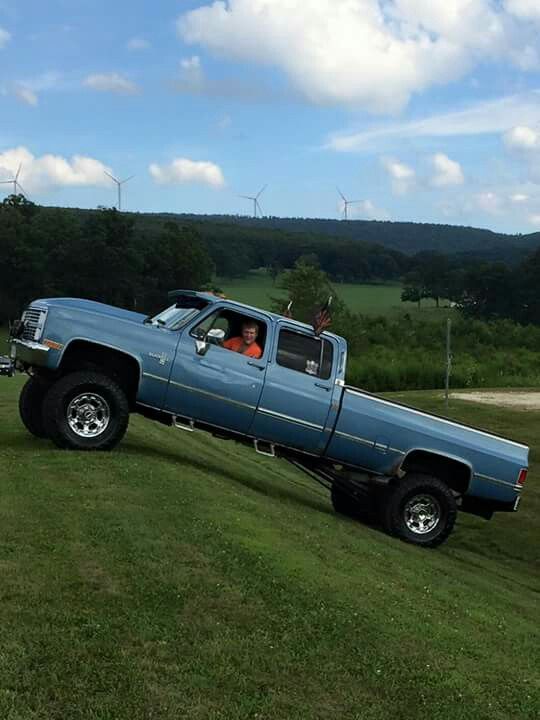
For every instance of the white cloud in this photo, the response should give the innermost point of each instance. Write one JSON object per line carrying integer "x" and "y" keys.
{"x": 493, "y": 117}
{"x": 524, "y": 9}
{"x": 534, "y": 220}
{"x": 43, "y": 173}
{"x": 489, "y": 202}
{"x": 519, "y": 198}
{"x": 447, "y": 172}
{"x": 403, "y": 177}
{"x": 365, "y": 210}
{"x": 183, "y": 170}
{"x": 25, "y": 95}
{"x": 5, "y": 37}
{"x": 137, "y": 43}
{"x": 522, "y": 137}
{"x": 224, "y": 122}
{"x": 191, "y": 63}
{"x": 111, "y": 82}
{"x": 370, "y": 53}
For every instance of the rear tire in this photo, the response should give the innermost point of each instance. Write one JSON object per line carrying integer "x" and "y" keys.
{"x": 420, "y": 510}
{"x": 31, "y": 406}
{"x": 86, "y": 411}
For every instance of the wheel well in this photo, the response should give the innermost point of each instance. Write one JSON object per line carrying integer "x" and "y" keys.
{"x": 456, "y": 474}
{"x": 124, "y": 369}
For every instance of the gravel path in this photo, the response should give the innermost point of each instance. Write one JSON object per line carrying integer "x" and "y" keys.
{"x": 520, "y": 399}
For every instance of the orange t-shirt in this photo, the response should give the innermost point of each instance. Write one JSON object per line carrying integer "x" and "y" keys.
{"x": 236, "y": 343}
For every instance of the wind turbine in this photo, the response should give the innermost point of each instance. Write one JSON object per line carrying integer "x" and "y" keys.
{"x": 346, "y": 203}
{"x": 15, "y": 181}
{"x": 119, "y": 184}
{"x": 255, "y": 201}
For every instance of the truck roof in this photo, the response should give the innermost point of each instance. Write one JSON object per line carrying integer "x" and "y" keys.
{"x": 213, "y": 298}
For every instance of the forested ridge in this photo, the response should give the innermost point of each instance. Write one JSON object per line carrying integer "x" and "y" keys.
{"x": 405, "y": 237}
{"x": 132, "y": 260}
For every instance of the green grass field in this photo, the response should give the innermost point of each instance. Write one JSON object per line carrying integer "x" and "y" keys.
{"x": 257, "y": 289}
{"x": 185, "y": 577}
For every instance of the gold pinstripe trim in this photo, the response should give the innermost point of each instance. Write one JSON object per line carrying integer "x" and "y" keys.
{"x": 365, "y": 441}
{"x": 155, "y": 377}
{"x": 499, "y": 482}
{"x": 288, "y": 418}
{"x": 206, "y": 393}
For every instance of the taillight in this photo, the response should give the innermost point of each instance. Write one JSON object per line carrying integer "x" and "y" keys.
{"x": 522, "y": 476}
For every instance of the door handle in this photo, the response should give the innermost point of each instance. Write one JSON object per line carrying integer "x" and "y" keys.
{"x": 324, "y": 387}
{"x": 256, "y": 365}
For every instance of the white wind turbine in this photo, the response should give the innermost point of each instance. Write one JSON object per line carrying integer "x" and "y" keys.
{"x": 15, "y": 181}
{"x": 255, "y": 200}
{"x": 346, "y": 203}
{"x": 119, "y": 184}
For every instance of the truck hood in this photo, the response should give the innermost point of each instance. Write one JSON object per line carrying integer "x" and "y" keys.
{"x": 97, "y": 308}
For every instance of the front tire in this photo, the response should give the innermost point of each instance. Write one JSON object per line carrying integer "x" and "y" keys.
{"x": 31, "y": 405}
{"x": 86, "y": 411}
{"x": 420, "y": 510}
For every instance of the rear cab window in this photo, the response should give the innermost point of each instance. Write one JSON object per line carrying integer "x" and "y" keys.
{"x": 305, "y": 354}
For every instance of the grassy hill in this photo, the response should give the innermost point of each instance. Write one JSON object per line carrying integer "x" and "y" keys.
{"x": 185, "y": 577}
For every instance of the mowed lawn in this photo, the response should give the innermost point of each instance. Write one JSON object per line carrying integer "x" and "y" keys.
{"x": 385, "y": 299}
{"x": 183, "y": 577}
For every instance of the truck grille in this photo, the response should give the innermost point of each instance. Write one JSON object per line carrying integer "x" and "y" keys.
{"x": 34, "y": 320}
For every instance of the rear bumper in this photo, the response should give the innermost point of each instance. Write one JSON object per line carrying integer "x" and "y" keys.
{"x": 486, "y": 507}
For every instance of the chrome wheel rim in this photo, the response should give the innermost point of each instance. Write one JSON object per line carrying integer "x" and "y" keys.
{"x": 422, "y": 514}
{"x": 88, "y": 415}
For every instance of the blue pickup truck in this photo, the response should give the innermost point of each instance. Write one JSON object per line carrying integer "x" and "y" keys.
{"x": 91, "y": 365}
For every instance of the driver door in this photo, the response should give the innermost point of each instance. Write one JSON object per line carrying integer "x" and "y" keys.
{"x": 221, "y": 387}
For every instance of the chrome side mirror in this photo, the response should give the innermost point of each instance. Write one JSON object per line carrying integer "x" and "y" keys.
{"x": 216, "y": 336}
{"x": 201, "y": 347}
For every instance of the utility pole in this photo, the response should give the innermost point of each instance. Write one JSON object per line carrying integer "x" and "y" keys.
{"x": 448, "y": 361}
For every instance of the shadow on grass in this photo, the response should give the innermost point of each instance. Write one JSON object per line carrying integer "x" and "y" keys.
{"x": 214, "y": 467}
{"x": 26, "y": 443}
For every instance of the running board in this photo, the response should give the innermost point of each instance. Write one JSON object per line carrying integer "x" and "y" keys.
{"x": 263, "y": 447}
{"x": 183, "y": 424}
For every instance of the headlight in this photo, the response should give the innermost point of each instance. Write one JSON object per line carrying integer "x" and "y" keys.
{"x": 34, "y": 321}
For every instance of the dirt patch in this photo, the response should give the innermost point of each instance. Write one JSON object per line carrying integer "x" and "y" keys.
{"x": 520, "y": 400}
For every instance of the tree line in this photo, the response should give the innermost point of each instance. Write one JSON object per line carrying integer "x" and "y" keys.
{"x": 407, "y": 237}
{"x": 482, "y": 290}
{"x": 51, "y": 252}
{"x": 132, "y": 260}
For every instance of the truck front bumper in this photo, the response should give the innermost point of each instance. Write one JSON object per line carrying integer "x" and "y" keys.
{"x": 28, "y": 352}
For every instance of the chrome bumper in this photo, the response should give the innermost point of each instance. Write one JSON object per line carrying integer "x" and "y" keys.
{"x": 29, "y": 352}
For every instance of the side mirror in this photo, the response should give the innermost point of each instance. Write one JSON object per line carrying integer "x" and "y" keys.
{"x": 216, "y": 336}
{"x": 201, "y": 347}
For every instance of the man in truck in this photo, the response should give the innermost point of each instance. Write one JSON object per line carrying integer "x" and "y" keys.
{"x": 247, "y": 342}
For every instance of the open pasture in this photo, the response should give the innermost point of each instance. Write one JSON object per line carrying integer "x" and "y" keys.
{"x": 186, "y": 577}
{"x": 257, "y": 289}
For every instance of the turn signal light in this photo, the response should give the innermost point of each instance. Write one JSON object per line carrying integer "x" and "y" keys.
{"x": 522, "y": 476}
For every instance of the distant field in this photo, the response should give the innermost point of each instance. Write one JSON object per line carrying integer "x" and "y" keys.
{"x": 257, "y": 289}
{"x": 186, "y": 577}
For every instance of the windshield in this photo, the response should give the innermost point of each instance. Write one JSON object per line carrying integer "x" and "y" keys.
{"x": 174, "y": 317}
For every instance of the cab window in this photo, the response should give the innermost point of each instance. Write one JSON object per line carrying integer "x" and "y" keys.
{"x": 230, "y": 323}
{"x": 305, "y": 354}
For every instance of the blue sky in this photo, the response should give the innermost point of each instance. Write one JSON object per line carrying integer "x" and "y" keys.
{"x": 420, "y": 110}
